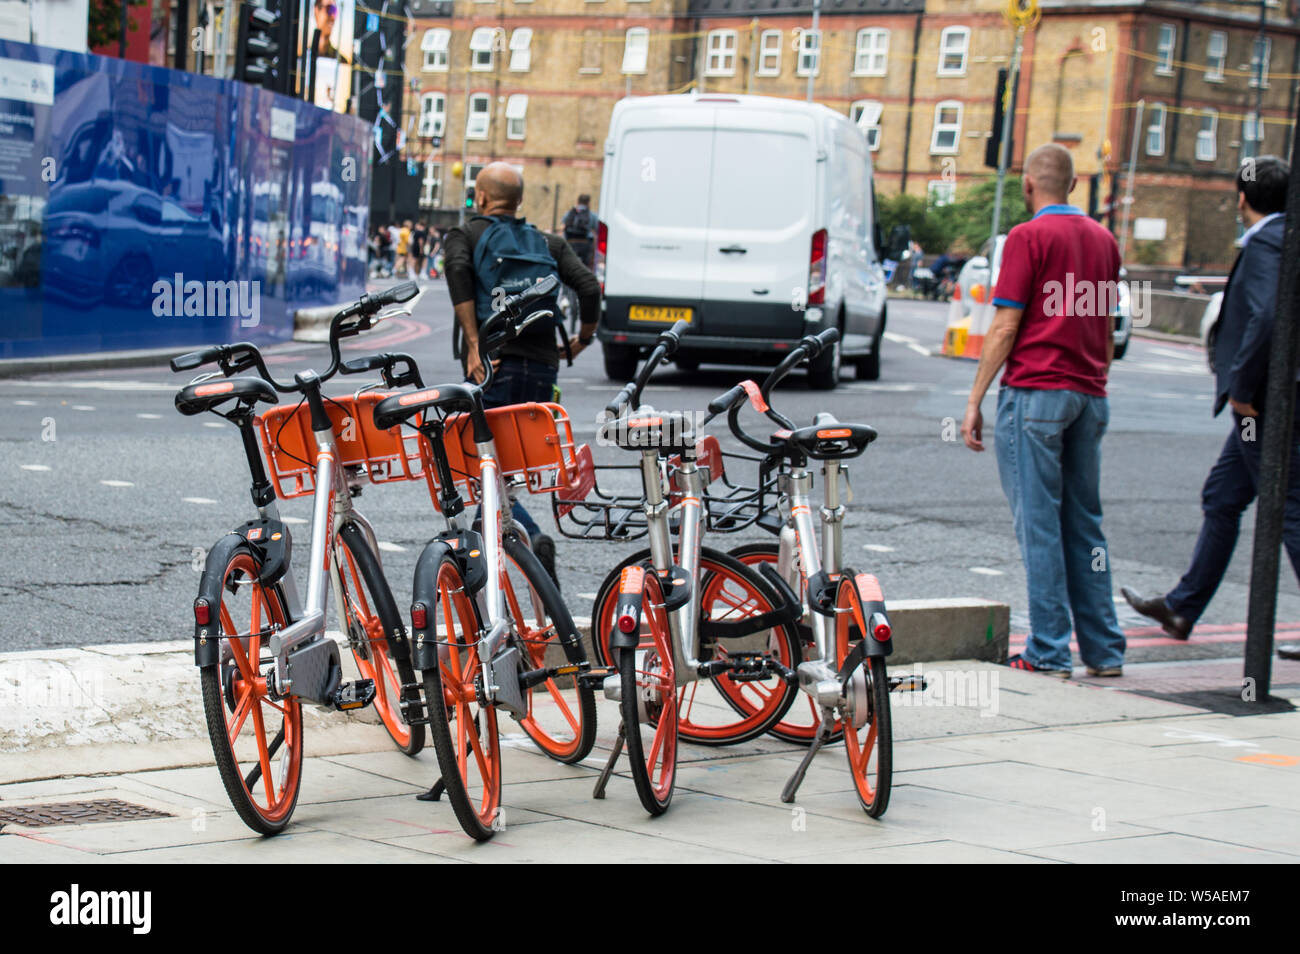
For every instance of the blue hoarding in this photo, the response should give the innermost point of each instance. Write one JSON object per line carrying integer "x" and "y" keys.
{"x": 142, "y": 207}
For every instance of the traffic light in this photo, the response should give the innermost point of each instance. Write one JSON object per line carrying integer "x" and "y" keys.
{"x": 469, "y": 197}
{"x": 257, "y": 46}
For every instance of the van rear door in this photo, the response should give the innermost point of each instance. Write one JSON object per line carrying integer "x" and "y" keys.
{"x": 761, "y": 220}
{"x": 658, "y": 219}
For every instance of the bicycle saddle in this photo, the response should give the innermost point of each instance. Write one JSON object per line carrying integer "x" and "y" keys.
{"x": 393, "y": 410}
{"x": 833, "y": 441}
{"x": 197, "y": 398}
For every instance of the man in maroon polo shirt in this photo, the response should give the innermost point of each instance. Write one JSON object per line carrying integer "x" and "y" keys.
{"x": 1055, "y": 294}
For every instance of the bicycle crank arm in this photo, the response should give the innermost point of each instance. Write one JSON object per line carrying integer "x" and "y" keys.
{"x": 588, "y": 678}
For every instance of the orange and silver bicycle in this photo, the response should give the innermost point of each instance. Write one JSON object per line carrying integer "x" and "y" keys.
{"x": 491, "y": 632}
{"x": 261, "y": 651}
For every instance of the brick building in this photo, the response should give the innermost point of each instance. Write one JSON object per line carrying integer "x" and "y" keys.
{"x": 533, "y": 82}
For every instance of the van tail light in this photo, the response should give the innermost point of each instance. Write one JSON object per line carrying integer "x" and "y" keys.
{"x": 817, "y": 269}
{"x": 602, "y": 243}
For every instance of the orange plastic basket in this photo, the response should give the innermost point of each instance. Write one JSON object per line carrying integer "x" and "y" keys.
{"x": 290, "y": 446}
{"x": 533, "y": 441}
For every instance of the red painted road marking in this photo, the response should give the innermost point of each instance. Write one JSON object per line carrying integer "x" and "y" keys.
{"x": 1211, "y": 633}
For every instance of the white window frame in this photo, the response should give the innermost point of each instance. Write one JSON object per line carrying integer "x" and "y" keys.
{"x": 1155, "y": 129}
{"x": 872, "y": 131}
{"x": 1252, "y": 130}
{"x": 871, "y": 53}
{"x": 934, "y": 187}
{"x": 940, "y": 127}
{"x": 431, "y": 185}
{"x": 521, "y": 50}
{"x": 1213, "y": 73}
{"x": 948, "y": 48}
{"x": 1166, "y": 45}
{"x": 1209, "y": 136}
{"x": 472, "y": 128}
{"x": 481, "y": 43}
{"x": 768, "y": 51}
{"x": 516, "y": 115}
{"x": 436, "y": 43}
{"x": 475, "y": 168}
{"x": 813, "y": 50}
{"x": 433, "y": 122}
{"x": 720, "y": 53}
{"x": 1260, "y": 81}
{"x": 636, "y": 55}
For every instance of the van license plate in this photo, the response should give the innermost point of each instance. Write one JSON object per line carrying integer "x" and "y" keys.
{"x": 659, "y": 313}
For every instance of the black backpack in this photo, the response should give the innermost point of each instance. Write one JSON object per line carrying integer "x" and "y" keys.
{"x": 577, "y": 225}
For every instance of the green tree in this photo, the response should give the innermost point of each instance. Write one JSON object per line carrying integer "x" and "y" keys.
{"x": 968, "y": 220}
{"x": 105, "y": 23}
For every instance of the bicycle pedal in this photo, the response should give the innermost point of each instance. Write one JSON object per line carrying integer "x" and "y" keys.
{"x": 356, "y": 694}
{"x": 594, "y": 679}
{"x": 907, "y": 683}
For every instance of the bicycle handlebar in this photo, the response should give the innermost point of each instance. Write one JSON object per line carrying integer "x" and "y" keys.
{"x": 665, "y": 347}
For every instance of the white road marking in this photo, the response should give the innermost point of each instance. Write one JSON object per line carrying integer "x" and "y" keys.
{"x": 586, "y": 596}
{"x": 83, "y": 407}
{"x": 899, "y": 339}
{"x": 40, "y": 467}
{"x": 25, "y": 403}
{"x": 198, "y": 500}
{"x": 877, "y": 548}
{"x": 1197, "y": 356}
{"x": 986, "y": 571}
{"x": 889, "y": 387}
{"x": 921, "y": 350}
{"x": 150, "y": 417}
{"x": 117, "y": 483}
{"x": 292, "y": 520}
{"x": 97, "y": 385}
{"x": 212, "y": 424}
{"x": 391, "y": 547}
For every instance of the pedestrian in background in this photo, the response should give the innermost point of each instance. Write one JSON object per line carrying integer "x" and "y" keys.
{"x": 1052, "y": 413}
{"x": 418, "y": 245}
{"x": 1240, "y": 379}
{"x": 580, "y": 230}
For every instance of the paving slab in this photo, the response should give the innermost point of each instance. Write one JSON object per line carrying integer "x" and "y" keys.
{"x": 1165, "y": 848}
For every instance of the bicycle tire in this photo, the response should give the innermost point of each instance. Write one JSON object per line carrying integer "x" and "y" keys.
{"x": 561, "y": 689}
{"x": 875, "y": 737}
{"x": 795, "y": 731}
{"x": 368, "y": 596}
{"x": 274, "y": 815}
{"x": 752, "y": 723}
{"x": 450, "y": 686}
{"x": 655, "y": 793}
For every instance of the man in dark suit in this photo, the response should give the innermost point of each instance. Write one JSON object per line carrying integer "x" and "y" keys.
{"x": 1240, "y": 379}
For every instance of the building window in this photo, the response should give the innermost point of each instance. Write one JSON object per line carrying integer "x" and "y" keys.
{"x": 1216, "y": 56}
{"x": 471, "y": 174}
{"x": 590, "y": 52}
{"x": 947, "y": 128}
{"x": 433, "y": 114}
{"x": 940, "y": 192}
{"x": 954, "y": 45}
{"x": 480, "y": 115}
{"x": 1260, "y": 55}
{"x": 871, "y": 57}
{"x": 769, "y": 53}
{"x": 1252, "y": 130}
{"x": 1166, "y": 40}
{"x": 516, "y": 114}
{"x": 810, "y": 53}
{"x": 1156, "y": 130}
{"x": 480, "y": 47}
{"x": 636, "y": 50}
{"x": 720, "y": 58}
{"x": 865, "y": 114}
{"x": 521, "y": 52}
{"x": 431, "y": 185}
{"x": 434, "y": 43}
{"x": 1207, "y": 137}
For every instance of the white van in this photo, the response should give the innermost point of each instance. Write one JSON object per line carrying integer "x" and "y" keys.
{"x": 750, "y": 216}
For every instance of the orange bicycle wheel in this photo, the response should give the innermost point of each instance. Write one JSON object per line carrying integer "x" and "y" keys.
{"x": 561, "y": 714}
{"x": 799, "y": 725}
{"x": 721, "y": 710}
{"x": 464, "y": 730}
{"x": 649, "y": 703}
{"x": 256, "y": 739}
{"x": 367, "y": 633}
{"x": 868, "y": 731}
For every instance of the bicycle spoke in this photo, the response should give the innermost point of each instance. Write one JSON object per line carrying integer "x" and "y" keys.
{"x": 262, "y": 757}
{"x": 240, "y": 714}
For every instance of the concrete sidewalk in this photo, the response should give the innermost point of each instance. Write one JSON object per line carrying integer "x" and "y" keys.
{"x": 990, "y": 765}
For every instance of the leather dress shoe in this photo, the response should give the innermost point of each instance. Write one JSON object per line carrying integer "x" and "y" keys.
{"x": 1178, "y": 627}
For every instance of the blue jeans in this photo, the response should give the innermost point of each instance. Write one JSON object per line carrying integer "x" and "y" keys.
{"x": 1049, "y": 459}
{"x": 1229, "y": 489}
{"x": 518, "y": 381}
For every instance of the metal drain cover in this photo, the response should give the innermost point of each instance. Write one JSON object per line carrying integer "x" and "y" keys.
{"x": 77, "y": 813}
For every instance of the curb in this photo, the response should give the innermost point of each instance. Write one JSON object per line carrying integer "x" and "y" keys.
{"x": 145, "y": 358}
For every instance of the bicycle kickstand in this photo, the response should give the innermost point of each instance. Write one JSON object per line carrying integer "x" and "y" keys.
{"x": 608, "y": 770}
{"x": 824, "y": 732}
{"x": 435, "y": 793}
